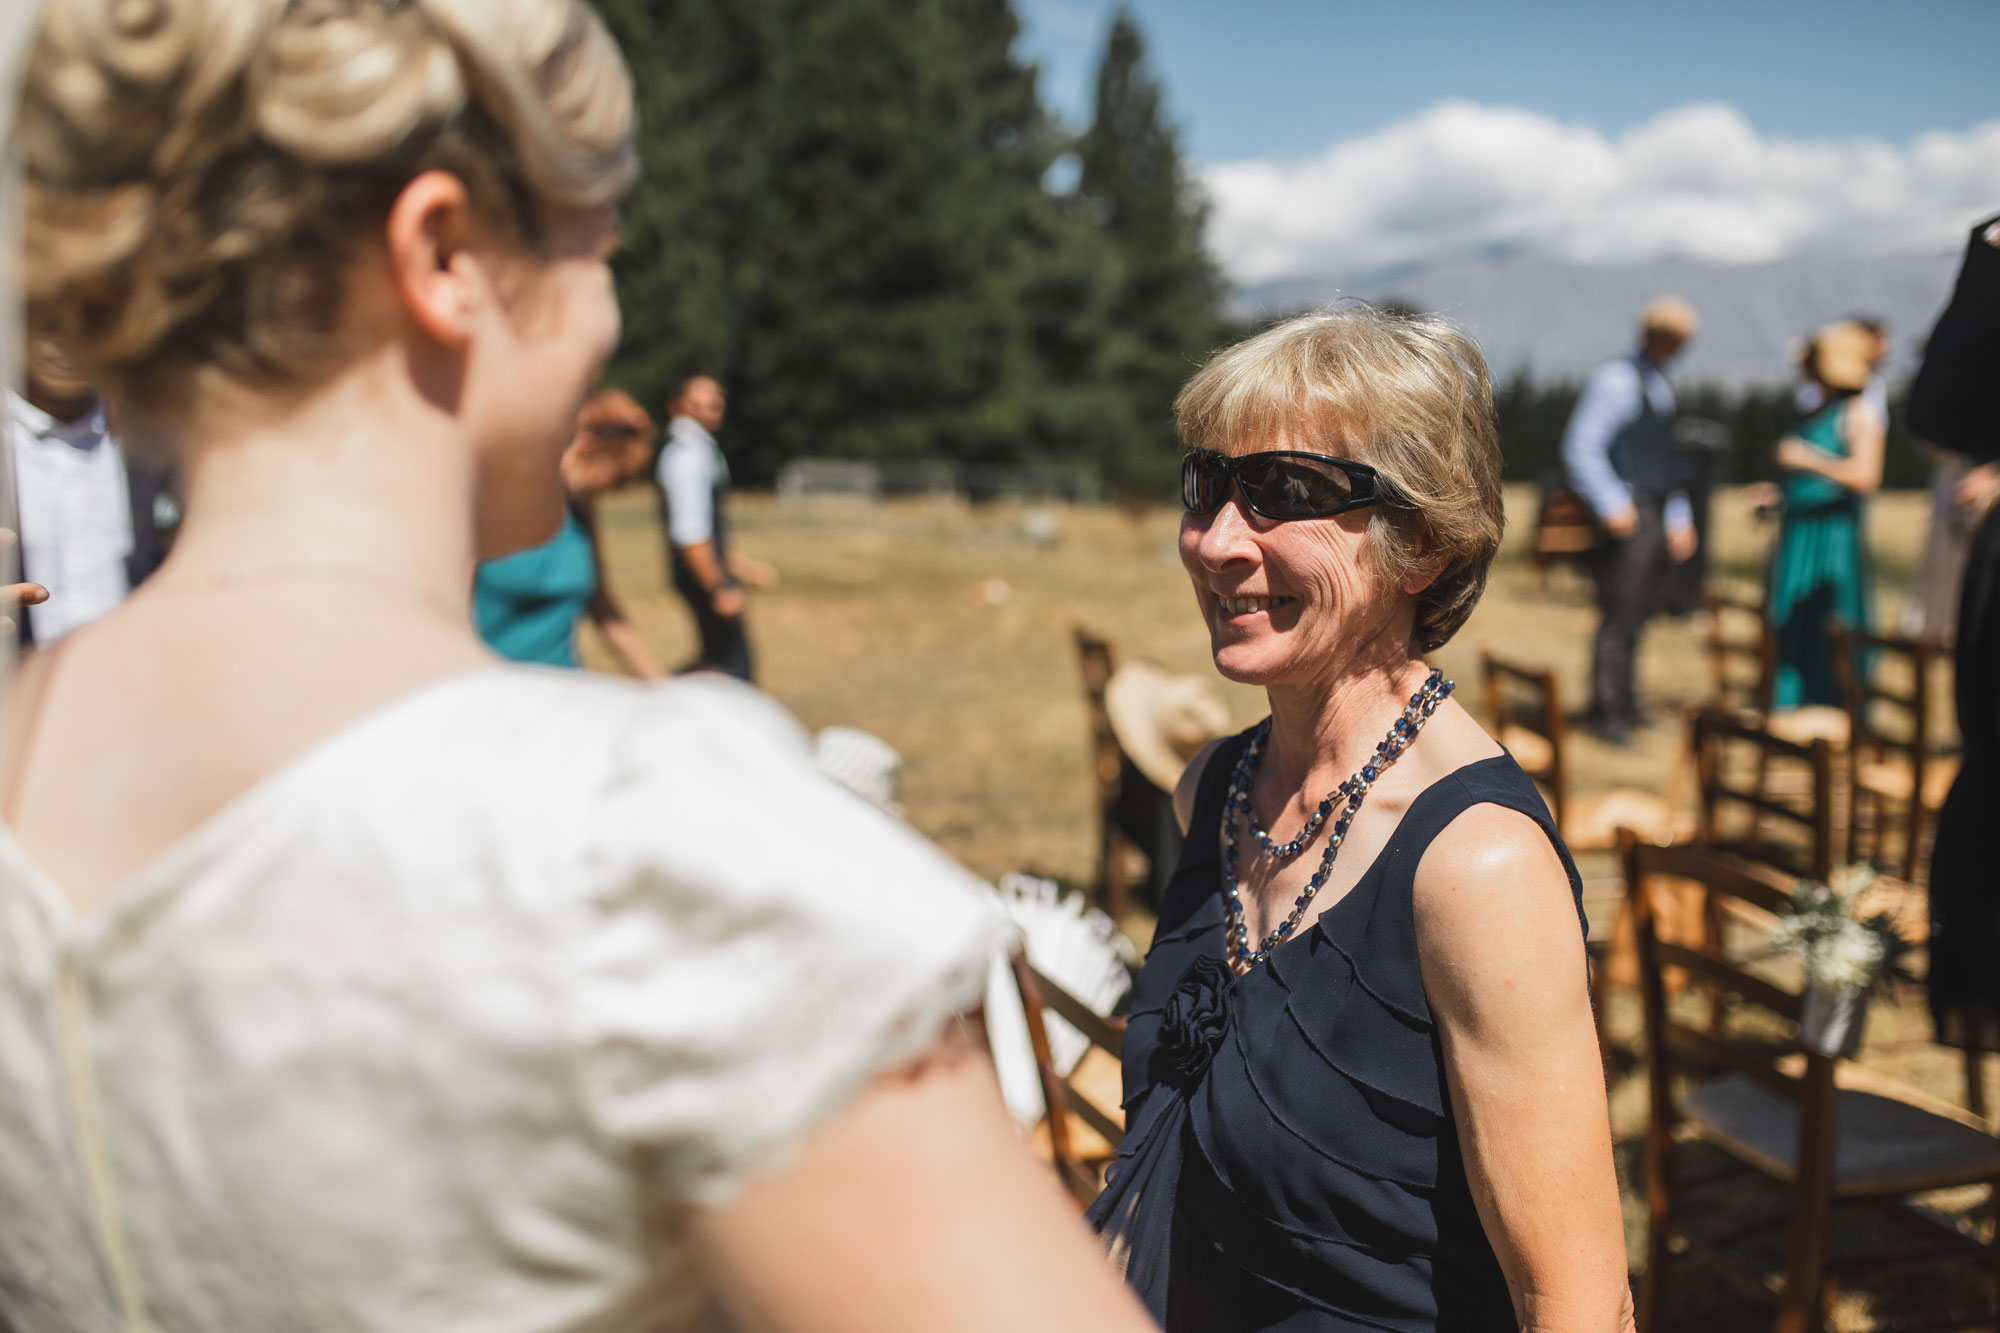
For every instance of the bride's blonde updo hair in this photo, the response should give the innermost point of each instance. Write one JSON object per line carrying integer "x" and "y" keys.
{"x": 200, "y": 174}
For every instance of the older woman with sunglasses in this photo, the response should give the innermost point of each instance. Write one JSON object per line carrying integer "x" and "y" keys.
{"x": 1362, "y": 1079}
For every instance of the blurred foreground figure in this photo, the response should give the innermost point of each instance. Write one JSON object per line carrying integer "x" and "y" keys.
{"x": 1620, "y": 454}
{"x": 529, "y": 605}
{"x": 1961, "y": 493}
{"x": 1955, "y": 402}
{"x": 694, "y": 488}
{"x": 93, "y": 524}
{"x": 356, "y": 981}
{"x": 1366, "y": 1010}
{"x": 1832, "y": 463}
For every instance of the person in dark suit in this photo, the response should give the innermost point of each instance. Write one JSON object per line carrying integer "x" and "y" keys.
{"x": 94, "y": 522}
{"x": 1955, "y": 403}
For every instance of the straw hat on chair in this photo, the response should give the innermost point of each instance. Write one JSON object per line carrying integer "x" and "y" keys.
{"x": 1162, "y": 720}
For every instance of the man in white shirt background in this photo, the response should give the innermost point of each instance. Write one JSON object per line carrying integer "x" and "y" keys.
{"x": 694, "y": 486}
{"x": 91, "y": 525}
{"x": 1619, "y": 452}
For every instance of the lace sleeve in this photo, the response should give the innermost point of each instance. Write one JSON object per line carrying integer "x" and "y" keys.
{"x": 761, "y": 942}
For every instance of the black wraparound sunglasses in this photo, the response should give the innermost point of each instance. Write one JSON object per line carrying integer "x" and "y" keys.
{"x": 1279, "y": 485}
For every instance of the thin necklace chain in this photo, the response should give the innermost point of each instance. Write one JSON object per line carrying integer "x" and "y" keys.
{"x": 1236, "y": 805}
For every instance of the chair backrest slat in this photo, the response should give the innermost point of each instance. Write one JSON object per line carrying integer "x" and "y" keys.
{"x": 1751, "y": 881}
{"x": 1718, "y": 735}
{"x": 1757, "y": 648}
{"x": 1540, "y": 713}
{"x": 1870, "y": 690}
{"x": 1699, "y": 1048}
{"x": 1108, "y": 1033}
{"x": 1723, "y": 880}
{"x": 1040, "y": 994}
{"x": 1726, "y": 976}
{"x": 1107, "y": 767}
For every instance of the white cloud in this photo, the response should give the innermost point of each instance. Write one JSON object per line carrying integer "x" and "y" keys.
{"x": 1696, "y": 182}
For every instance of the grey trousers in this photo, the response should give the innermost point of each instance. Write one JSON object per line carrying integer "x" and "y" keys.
{"x": 1630, "y": 576}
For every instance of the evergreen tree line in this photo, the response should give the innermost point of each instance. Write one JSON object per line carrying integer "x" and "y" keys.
{"x": 844, "y": 215}
{"x": 1532, "y": 417}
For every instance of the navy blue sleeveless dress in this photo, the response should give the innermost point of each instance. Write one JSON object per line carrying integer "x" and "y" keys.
{"x": 1291, "y": 1161}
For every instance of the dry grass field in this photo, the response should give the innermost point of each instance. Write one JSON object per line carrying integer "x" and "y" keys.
{"x": 947, "y": 631}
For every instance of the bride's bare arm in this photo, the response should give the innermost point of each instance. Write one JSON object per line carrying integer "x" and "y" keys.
{"x": 918, "y": 1210}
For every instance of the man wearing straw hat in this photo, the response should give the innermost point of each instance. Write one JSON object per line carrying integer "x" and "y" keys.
{"x": 1619, "y": 452}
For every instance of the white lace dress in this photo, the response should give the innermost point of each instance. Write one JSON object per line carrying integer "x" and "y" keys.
{"x": 445, "y": 1025}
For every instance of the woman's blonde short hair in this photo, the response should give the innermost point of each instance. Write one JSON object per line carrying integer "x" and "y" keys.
{"x": 200, "y": 174}
{"x": 1408, "y": 395}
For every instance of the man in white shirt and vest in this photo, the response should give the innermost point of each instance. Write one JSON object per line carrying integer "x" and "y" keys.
{"x": 694, "y": 486}
{"x": 1618, "y": 450}
{"x": 91, "y": 526}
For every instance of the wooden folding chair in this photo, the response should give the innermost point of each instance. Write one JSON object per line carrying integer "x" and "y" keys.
{"x": 1566, "y": 528}
{"x": 1752, "y": 783}
{"x": 1524, "y": 708}
{"x": 1113, "y": 890}
{"x": 1083, "y": 1133}
{"x": 1743, "y": 664}
{"x": 1891, "y": 762}
{"x": 1774, "y": 1109}
{"x": 1742, "y": 653}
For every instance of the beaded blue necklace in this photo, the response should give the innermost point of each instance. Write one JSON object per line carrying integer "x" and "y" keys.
{"x": 1235, "y": 930}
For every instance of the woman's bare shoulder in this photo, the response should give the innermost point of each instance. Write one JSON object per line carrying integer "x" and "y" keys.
{"x": 1493, "y": 889}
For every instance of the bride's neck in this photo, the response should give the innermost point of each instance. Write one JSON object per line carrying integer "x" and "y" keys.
{"x": 362, "y": 474}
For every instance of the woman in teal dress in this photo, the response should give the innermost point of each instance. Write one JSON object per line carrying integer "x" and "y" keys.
{"x": 1820, "y": 572}
{"x": 528, "y": 605}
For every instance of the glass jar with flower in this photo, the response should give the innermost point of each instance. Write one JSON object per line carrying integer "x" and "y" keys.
{"x": 1848, "y": 958}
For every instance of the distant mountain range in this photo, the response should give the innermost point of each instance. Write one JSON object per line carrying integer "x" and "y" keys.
{"x": 1556, "y": 320}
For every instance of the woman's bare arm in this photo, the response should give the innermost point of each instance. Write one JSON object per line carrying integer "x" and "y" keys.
{"x": 1861, "y": 470}
{"x": 1503, "y": 967}
{"x": 624, "y": 637}
{"x": 917, "y": 1211}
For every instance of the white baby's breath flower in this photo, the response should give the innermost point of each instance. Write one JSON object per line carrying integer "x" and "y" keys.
{"x": 1849, "y": 956}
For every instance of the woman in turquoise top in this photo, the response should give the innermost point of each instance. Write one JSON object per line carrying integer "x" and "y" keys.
{"x": 528, "y": 605}
{"x": 1820, "y": 571}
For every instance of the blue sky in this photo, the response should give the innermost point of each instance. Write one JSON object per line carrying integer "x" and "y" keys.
{"x": 1336, "y": 136}
{"x": 1259, "y": 78}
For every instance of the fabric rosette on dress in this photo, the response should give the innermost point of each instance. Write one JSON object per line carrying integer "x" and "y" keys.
{"x": 1135, "y": 1213}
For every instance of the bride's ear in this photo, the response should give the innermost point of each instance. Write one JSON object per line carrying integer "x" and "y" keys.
{"x": 440, "y": 282}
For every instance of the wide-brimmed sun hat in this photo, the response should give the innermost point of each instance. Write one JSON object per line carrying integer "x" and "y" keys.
{"x": 1162, "y": 720}
{"x": 1842, "y": 355}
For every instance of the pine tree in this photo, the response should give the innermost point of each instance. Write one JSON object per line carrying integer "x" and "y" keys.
{"x": 1164, "y": 315}
{"x": 1058, "y": 264}
{"x": 842, "y": 215}
{"x": 878, "y": 316}
{"x": 699, "y": 73}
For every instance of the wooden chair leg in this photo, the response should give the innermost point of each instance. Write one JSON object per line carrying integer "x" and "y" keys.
{"x": 1975, "y": 1086}
{"x": 1853, "y": 823}
{"x": 1913, "y": 832}
{"x": 1650, "y": 1305}
{"x": 1600, "y": 995}
{"x": 1802, "y": 1304}
{"x": 1990, "y": 1256}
